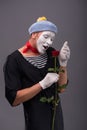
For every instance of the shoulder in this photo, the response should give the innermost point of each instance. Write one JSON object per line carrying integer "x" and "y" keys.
{"x": 12, "y": 59}
{"x": 13, "y": 54}
{"x": 12, "y": 62}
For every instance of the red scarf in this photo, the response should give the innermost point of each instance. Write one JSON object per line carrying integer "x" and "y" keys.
{"x": 29, "y": 47}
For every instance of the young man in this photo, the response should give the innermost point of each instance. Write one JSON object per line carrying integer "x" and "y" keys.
{"x": 27, "y": 79}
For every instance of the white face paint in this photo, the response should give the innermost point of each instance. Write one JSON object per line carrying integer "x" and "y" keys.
{"x": 44, "y": 41}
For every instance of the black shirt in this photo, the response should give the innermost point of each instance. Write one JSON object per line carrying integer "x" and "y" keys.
{"x": 20, "y": 74}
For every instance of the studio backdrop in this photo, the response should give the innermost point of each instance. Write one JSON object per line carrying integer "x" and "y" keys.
{"x": 71, "y": 18}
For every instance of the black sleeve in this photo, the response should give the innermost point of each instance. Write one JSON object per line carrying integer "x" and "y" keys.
{"x": 12, "y": 79}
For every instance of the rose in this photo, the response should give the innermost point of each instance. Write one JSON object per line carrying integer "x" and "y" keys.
{"x": 55, "y": 69}
{"x": 54, "y": 99}
{"x": 55, "y": 53}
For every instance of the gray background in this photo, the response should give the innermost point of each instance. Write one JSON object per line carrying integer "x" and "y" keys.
{"x": 71, "y": 18}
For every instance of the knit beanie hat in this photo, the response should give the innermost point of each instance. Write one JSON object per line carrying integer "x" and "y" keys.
{"x": 42, "y": 24}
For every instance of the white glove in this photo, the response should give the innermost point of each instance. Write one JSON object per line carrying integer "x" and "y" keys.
{"x": 49, "y": 79}
{"x": 64, "y": 54}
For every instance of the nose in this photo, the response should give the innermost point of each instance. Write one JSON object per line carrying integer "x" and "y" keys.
{"x": 49, "y": 42}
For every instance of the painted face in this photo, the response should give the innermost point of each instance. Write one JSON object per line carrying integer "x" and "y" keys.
{"x": 44, "y": 41}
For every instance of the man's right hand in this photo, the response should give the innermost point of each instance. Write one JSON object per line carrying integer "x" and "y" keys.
{"x": 48, "y": 80}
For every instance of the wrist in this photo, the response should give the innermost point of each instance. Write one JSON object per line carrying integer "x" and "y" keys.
{"x": 63, "y": 63}
{"x": 42, "y": 85}
{"x": 62, "y": 69}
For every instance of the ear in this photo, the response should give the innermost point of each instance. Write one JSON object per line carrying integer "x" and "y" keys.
{"x": 34, "y": 35}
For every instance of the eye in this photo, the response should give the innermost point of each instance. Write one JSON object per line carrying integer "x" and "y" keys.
{"x": 52, "y": 39}
{"x": 46, "y": 36}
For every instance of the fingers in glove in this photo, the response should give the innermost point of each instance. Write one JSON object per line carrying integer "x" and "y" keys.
{"x": 65, "y": 43}
{"x": 65, "y": 46}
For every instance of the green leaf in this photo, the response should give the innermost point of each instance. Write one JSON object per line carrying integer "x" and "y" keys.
{"x": 43, "y": 99}
{"x": 62, "y": 86}
{"x": 50, "y": 99}
{"x": 55, "y": 70}
{"x": 51, "y": 69}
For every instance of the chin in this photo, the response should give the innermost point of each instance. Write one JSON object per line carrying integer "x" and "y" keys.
{"x": 42, "y": 52}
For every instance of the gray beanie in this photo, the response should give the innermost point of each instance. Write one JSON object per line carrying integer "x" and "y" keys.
{"x": 42, "y": 24}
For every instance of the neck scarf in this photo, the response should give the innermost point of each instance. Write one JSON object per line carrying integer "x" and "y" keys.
{"x": 29, "y": 47}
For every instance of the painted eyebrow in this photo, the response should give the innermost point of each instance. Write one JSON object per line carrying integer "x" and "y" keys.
{"x": 46, "y": 35}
